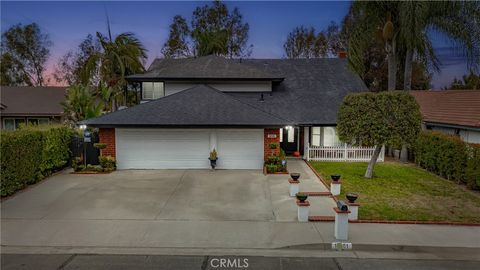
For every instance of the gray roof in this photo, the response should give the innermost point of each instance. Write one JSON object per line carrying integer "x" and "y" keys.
{"x": 204, "y": 68}
{"x": 32, "y": 101}
{"x": 195, "y": 107}
{"x": 311, "y": 92}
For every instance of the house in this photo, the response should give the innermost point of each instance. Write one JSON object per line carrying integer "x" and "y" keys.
{"x": 35, "y": 105}
{"x": 454, "y": 112}
{"x": 187, "y": 107}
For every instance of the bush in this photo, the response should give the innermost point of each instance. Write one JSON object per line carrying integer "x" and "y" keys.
{"x": 100, "y": 145}
{"x": 108, "y": 163}
{"x": 30, "y": 153}
{"x": 448, "y": 156}
{"x": 273, "y": 145}
{"x": 271, "y": 168}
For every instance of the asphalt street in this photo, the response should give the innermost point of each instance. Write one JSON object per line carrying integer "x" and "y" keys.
{"x": 160, "y": 262}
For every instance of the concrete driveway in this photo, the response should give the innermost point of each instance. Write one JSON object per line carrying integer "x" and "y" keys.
{"x": 147, "y": 195}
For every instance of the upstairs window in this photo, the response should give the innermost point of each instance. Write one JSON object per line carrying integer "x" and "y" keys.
{"x": 152, "y": 90}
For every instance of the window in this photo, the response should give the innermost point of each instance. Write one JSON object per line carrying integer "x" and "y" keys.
{"x": 12, "y": 123}
{"x": 38, "y": 121}
{"x": 152, "y": 90}
{"x": 281, "y": 135}
{"x": 9, "y": 124}
{"x": 291, "y": 135}
{"x": 316, "y": 135}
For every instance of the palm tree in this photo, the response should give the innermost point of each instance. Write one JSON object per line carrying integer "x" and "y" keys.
{"x": 120, "y": 56}
{"x": 458, "y": 20}
{"x": 81, "y": 104}
{"x": 404, "y": 28}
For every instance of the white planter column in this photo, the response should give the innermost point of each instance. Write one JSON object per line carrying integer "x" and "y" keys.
{"x": 341, "y": 224}
{"x": 293, "y": 187}
{"x": 335, "y": 187}
{"x": 303, "y": 211}
{"x": 353, "y": 207}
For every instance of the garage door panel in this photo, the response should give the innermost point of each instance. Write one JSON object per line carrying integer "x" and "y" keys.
{"x": 240, "y": 149}
{"x": 162, "y": 149}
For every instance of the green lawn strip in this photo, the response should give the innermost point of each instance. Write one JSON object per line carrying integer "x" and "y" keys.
{"x": 403, "y": 192}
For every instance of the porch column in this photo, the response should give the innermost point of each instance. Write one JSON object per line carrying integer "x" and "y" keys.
{"x": 306, "y": 142}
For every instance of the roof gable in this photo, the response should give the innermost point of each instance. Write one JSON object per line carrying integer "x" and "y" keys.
{"x": 198, "y": 106}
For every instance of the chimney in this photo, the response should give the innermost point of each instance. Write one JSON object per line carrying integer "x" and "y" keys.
{"x": 342, "y": 54}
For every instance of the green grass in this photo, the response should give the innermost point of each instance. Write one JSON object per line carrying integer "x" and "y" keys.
{"x": 404, "y": 192}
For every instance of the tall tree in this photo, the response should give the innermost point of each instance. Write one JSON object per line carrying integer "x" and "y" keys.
{"x": 25, "y": 50}
{"x": 214, "y": 30}
{"x": 71, "y": 68}
{"x": 177, "y": 45}
{"x": 120, "y": 56}
{"x": 80, "y": 104}
{"x": 458, "y": 20}
{"x": 376, "y": 119}
{"x": 468, "y": 82}
{"x": 303, "y": 42}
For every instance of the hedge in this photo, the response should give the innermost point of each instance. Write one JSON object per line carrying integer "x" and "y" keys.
{"x": 31, "y": 153}
{"x": 449, "y": 157}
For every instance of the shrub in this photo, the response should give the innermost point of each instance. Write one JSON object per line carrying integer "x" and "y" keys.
{"x": 108, "y": 163}
{"x": 271, "y": 168}
{"x": 472, "y": 173}
{"x": 273, "y": 160}
{"x": 448, "y": 156}
{"x": 273, "y": 145}
{"x": 76, "y": 163}
{"x": 30, "y": 153}
{"x": 100, "y": 145}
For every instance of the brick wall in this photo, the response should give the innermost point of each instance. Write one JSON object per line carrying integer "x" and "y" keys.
{"x": 107, "y": 136}
{"x": 267, "y": 141}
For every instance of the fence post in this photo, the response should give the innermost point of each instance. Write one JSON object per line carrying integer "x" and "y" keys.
{"x": 345, "y": 152}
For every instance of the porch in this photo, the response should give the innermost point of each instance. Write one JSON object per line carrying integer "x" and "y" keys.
{"x": 322, "y": 144}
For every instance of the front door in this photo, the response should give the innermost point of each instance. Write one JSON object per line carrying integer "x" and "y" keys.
{"x": 289, "y": 140}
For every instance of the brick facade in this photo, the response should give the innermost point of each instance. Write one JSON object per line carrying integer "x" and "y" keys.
{"x": 273, "y": 132}
{"x": 107, "y": 136}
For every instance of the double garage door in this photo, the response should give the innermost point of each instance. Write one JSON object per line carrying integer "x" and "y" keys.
{"x": 188, "y": 148}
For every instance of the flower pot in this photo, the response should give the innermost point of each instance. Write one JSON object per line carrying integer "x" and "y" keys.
{"x": 335, "y": 177}
{"x": 213, "y": 163}
{"x": 352, "y": 197}
{"x": 301, "y": 197}
{"x": 295, "y": 176}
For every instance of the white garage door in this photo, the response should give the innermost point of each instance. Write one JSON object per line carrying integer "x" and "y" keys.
{"x": 188, "y": 148}
{"x": 162, "y": 148}
{"x": 240, "y": 148}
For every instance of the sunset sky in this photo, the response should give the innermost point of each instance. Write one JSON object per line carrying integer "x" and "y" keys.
{"x": 67, "y": 23}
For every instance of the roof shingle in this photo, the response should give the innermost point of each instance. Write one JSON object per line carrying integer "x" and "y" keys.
{"x": 454, "y": 107}
{"x": 25, "y": 101}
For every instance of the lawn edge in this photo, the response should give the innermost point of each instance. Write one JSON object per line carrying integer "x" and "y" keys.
{"x": 386, "y": 221}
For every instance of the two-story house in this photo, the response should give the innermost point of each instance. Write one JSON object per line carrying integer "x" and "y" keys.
{"x": 237, "y": 106}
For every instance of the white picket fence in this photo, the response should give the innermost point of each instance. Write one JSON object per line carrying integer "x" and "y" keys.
{"x": 342, "y": 153}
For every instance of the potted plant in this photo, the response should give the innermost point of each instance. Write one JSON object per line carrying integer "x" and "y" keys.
{"x": 295, "y": 176}
{"x": 301, "y": 196}
{"x": 213, "y": 158}
{"x": 335, "y": 177}
{"x": 273, "y": 145}
{"x": 351, "y": 197}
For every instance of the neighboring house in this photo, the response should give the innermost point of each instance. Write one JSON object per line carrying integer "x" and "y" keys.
{"x": 35, "y": 105}
{"x": 239, "y": 107}
{"x": 454, "y": 112}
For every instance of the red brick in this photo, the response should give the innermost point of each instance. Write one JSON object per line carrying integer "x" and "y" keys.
{"x": 267, "y": 141}
{"x": 107, "y": 136}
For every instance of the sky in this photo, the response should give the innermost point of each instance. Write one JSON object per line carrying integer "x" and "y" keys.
{"x": 67, "y": 23}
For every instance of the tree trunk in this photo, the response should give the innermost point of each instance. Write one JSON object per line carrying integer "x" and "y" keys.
{"x": 404, "y": 154}
{"x": 373, "y": 161}
{"x": 392, "y": 66}
{"x": 407, "y": 76}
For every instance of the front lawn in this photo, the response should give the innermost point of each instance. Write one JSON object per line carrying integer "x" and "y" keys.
{"x": 403, "y": 192}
